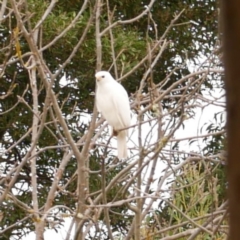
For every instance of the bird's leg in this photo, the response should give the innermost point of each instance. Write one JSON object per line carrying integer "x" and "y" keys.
{"x": 114, "y": 132}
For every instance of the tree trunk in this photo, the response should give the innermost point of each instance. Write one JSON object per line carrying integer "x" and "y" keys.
{"x": 231, "y": 37}
{"x": 82, "y": 189}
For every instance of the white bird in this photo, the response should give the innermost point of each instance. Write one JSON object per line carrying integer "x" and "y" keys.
{"x": 113, "y": 103}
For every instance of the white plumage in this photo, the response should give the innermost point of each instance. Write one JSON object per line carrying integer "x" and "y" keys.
{"x": 112, "y": 101}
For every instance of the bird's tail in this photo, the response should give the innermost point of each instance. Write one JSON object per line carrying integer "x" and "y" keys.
{"x": 122, "y": 144}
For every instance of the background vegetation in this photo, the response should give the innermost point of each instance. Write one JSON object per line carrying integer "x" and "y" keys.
{"x": 56, "y": 160}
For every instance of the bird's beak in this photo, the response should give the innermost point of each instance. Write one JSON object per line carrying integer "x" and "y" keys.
{"x": 98, "y": 78}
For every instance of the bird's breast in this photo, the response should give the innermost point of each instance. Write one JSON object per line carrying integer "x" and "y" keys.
{"x": 106, "y": 107}
{"x": 105, "y": 104}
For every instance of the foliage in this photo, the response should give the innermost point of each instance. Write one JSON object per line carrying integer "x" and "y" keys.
{"x": 49, "y": 54}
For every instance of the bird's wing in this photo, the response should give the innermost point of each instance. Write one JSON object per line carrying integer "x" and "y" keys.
{"x": 121, "y": 104}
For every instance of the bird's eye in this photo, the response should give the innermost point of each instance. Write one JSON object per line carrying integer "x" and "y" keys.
{"x": 103, "y": 76}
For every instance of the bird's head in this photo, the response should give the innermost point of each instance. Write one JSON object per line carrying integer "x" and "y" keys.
{"x": 103, "y": 76}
